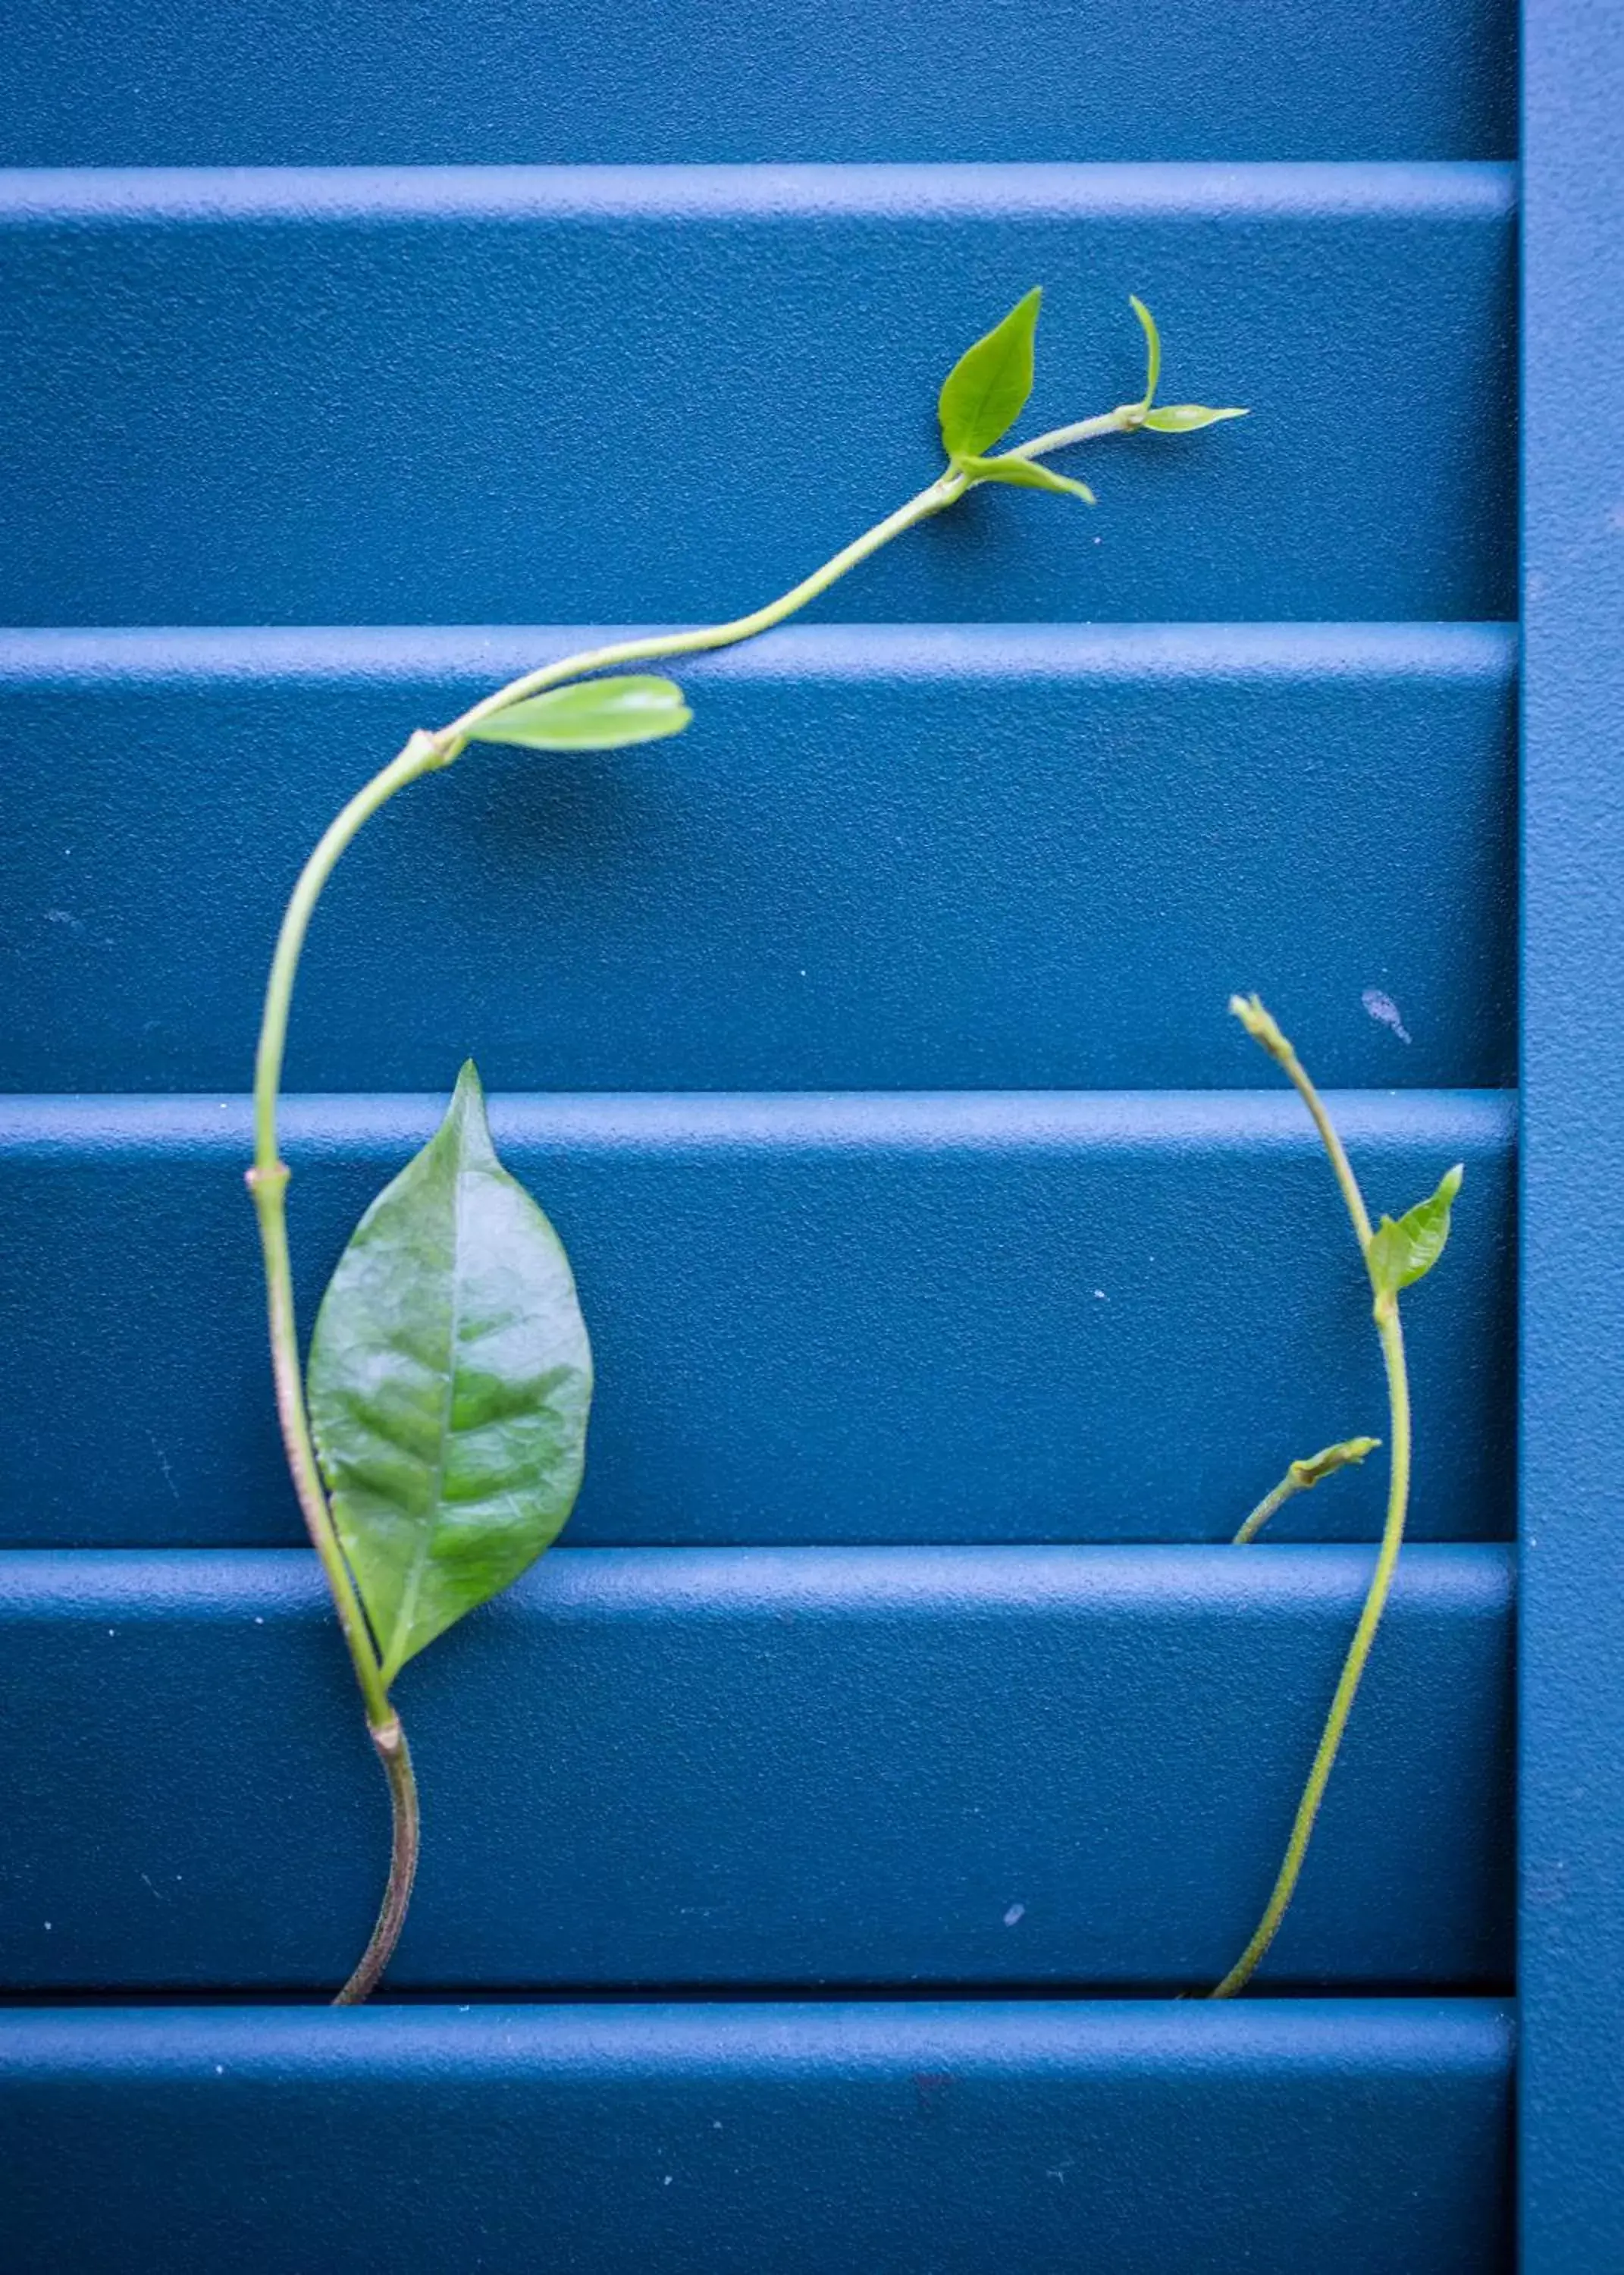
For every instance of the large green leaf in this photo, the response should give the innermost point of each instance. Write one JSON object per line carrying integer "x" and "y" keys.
{"x": 590, "y": 714}
{"x": 449, "y": 1379}
{"x": 985, "y": 391}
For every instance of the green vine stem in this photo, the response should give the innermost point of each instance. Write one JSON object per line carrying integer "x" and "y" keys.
{"x": 1263, "y": 1030}
{"x": 268, "y": 1180}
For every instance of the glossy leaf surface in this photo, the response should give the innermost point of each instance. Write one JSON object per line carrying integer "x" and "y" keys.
{"x": 590, "y": 714}
{"x": 1024, "y": 474}
{"x": 1404, "y": 1251}
{"x": 987, "y": 389}
{"x": 1185, "y": 418}
{"x": 449, "y": 1379}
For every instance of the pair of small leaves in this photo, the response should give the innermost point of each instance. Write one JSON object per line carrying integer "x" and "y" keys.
{"x": 449, "y": 1379}
{"x": 590, "y": 714}
{"x": 1402, "y": 1252}
{"x": 984, "y": 394}
{"x": 1171, "y": 418}
{"x": 987, "y": 389}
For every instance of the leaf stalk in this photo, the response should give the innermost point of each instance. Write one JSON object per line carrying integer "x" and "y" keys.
{"x": 391, "y": 1745}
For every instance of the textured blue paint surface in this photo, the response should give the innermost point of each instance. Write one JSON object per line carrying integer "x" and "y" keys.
{"x": 922, "y": 2140}
{"x": 372, "y": 83}
{"x": 500, "y": 395}
{"x": 920, "y": 1191}
{"x": 884, "y": 858}
{"x": 1573, "y": 1192}
{"x": 1025, "y": 1316}
{"x": 762, "y": 1767}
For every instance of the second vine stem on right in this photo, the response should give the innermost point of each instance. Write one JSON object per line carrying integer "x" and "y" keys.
{"x": 1396, "y": 1254}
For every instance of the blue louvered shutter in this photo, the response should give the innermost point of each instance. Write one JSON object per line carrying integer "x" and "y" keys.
{"x": 818, "y": 1844}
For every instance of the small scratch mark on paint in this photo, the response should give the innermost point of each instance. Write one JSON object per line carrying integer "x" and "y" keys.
{"x": 163, "y": 1463}
{"x": 1384, "y": 1011}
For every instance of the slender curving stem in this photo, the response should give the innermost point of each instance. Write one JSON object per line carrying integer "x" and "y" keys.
{"x": 1271, "y": 1504}
{"x": 1263, "y": 1029}
{"x": 267, "y": 1179}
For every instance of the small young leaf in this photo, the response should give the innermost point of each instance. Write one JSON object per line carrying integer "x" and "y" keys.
{"x": 1152, "y": 349}
{"x": 1024, "y": 474}
{"x": 450, "y": 1377}
{"x": 590, "y": 714}
{"x": 987, "y": 389}
{"x": 1184, "y": 417}
{"x": 1315, "y": 1468}
{"x": 1401, "y": 1253}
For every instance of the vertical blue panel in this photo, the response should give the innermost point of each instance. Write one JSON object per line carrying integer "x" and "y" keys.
{"x": 1573, "y": 1737}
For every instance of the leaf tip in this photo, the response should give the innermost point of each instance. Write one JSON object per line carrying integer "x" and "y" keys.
{"x": 466, "y": 1115}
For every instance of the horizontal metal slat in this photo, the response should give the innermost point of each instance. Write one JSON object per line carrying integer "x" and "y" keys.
{"x": 762, "y": 1767}
{"x": 883, "y": 857}
{"x": 484, "y": 394}
{"x": 925, "y": 2139}
{"x": 976, "y": 1317}
{"x": 849, "y": 80}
